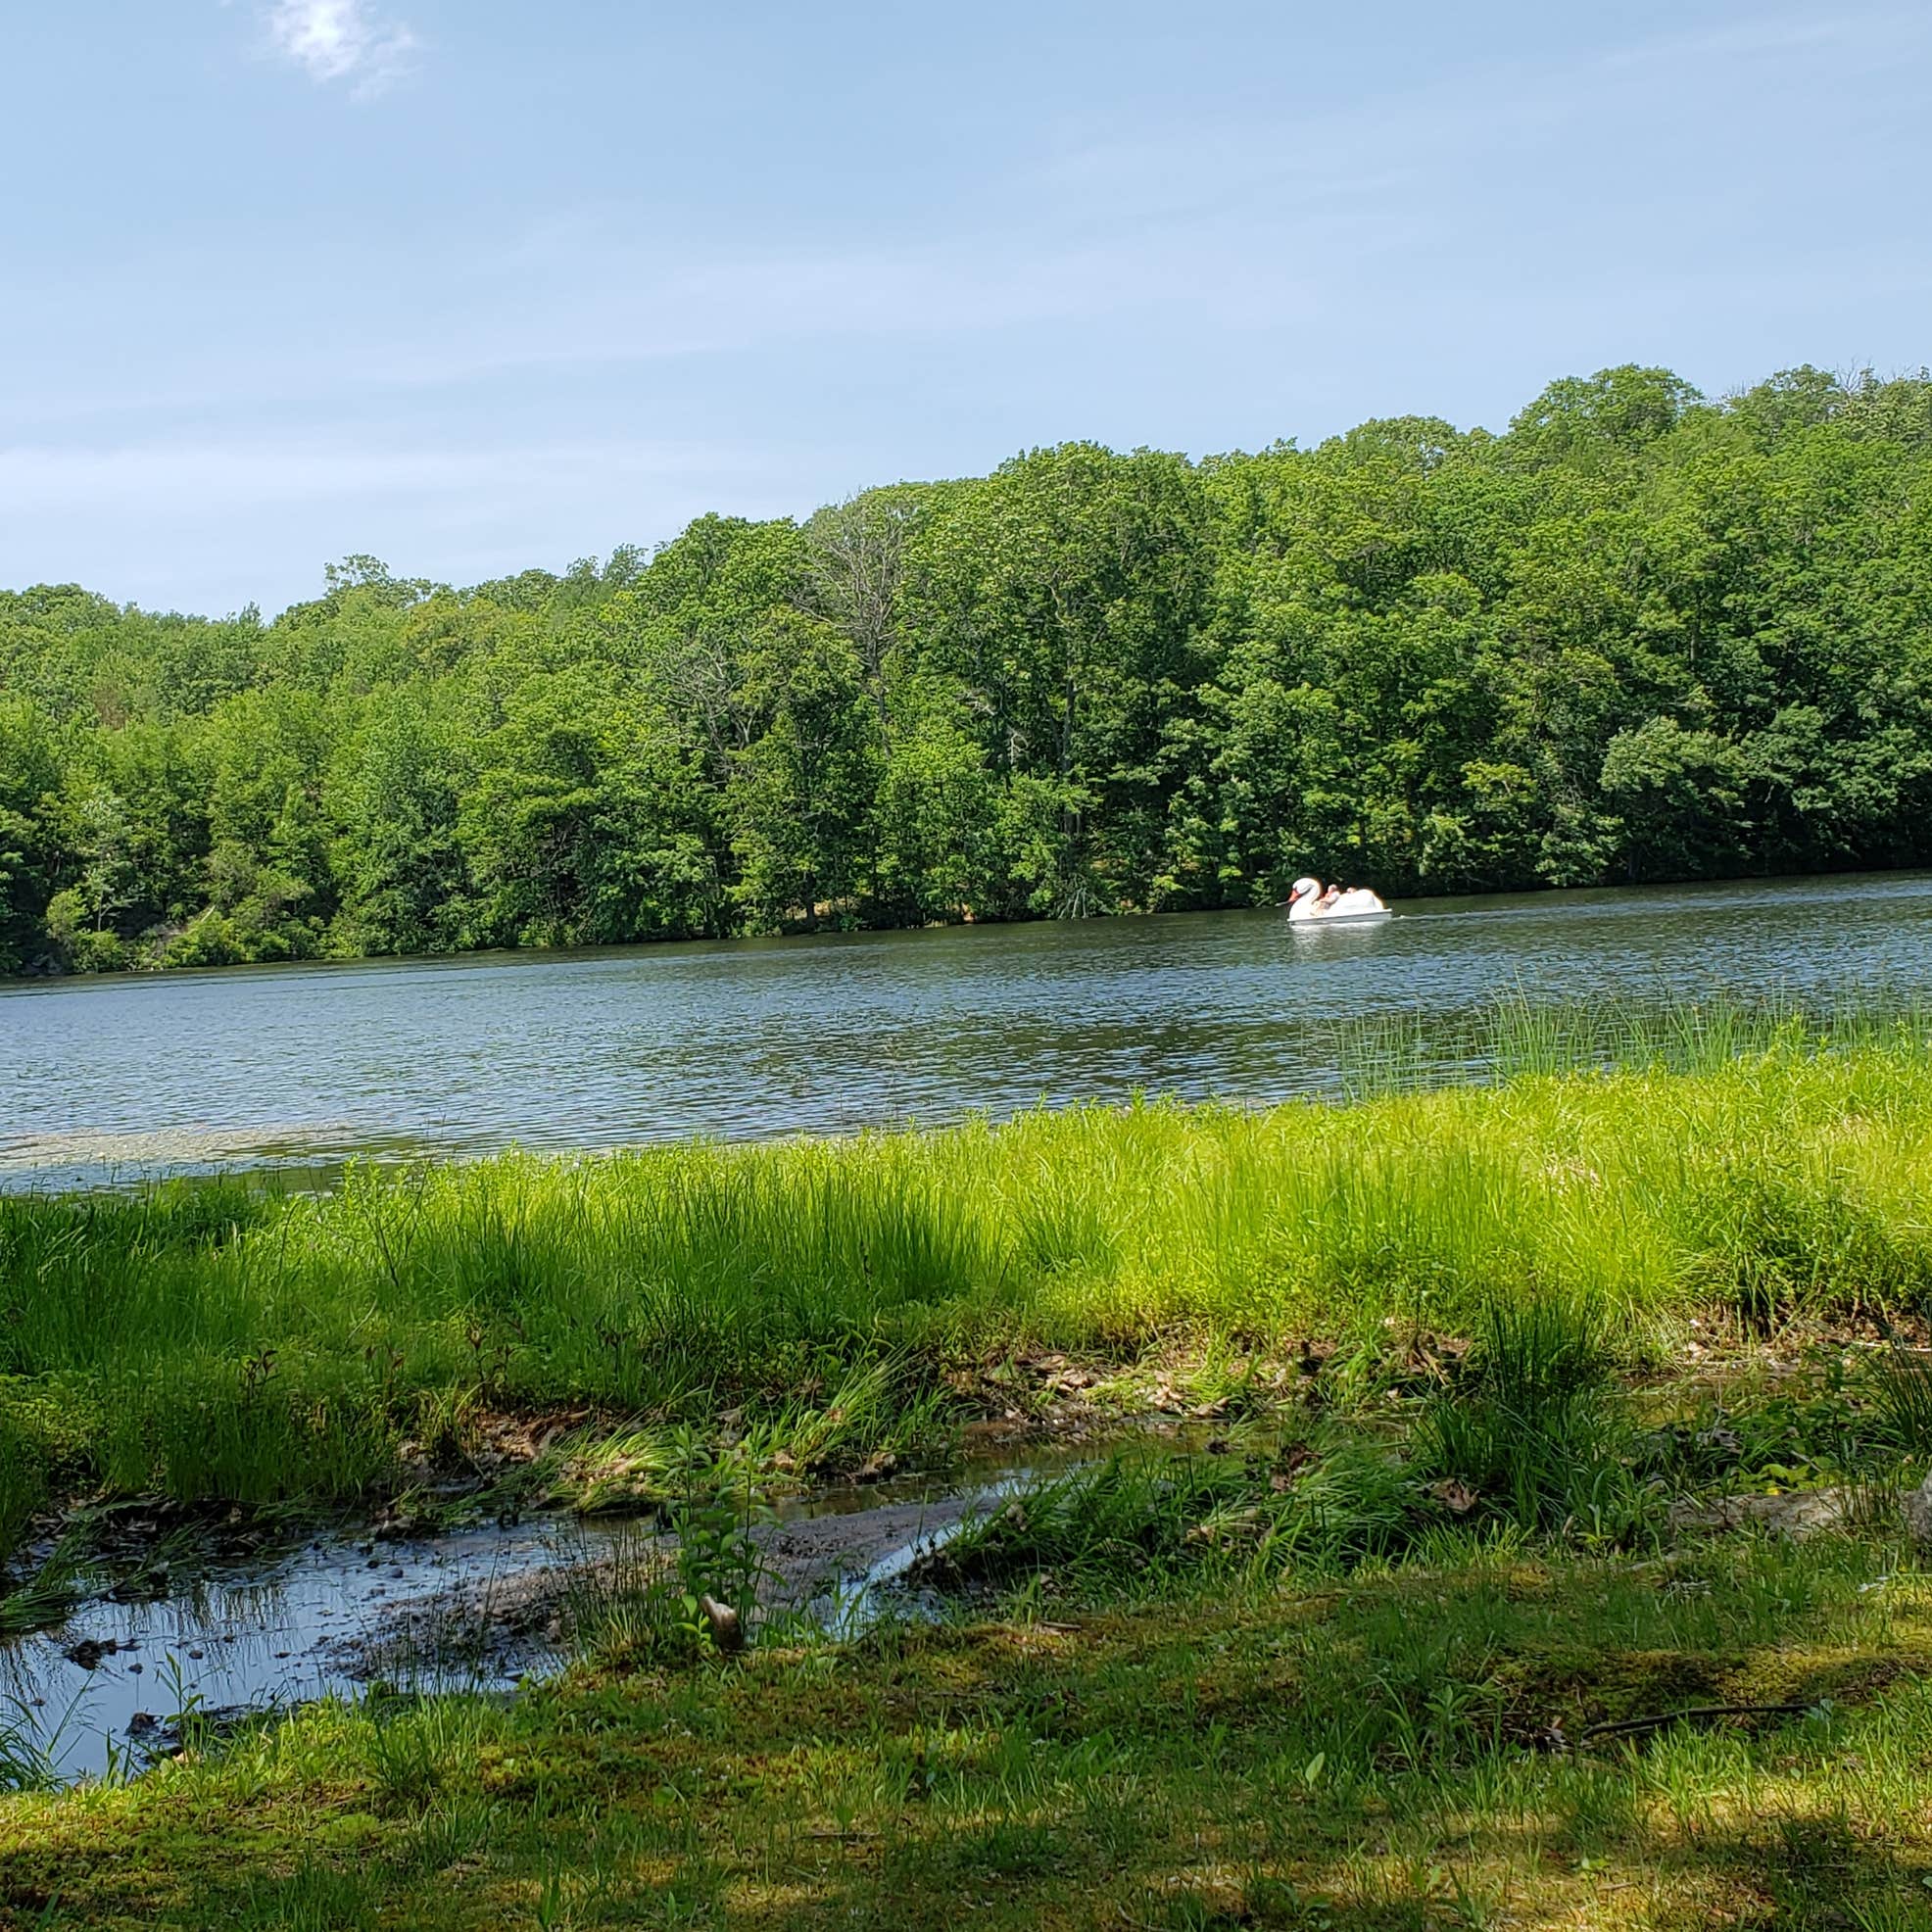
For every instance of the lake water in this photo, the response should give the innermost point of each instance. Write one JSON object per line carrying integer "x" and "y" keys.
{"x": 304, "y": 1066}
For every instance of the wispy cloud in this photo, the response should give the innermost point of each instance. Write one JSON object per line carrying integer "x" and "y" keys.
{"x": 531, "y": 305}
{"x": 214, "y": 523}
{"x": 348, "y": 40}
{"x": 41, "y": 479}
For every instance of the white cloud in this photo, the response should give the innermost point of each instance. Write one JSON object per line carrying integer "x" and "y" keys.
{"x": 342, "y": 40}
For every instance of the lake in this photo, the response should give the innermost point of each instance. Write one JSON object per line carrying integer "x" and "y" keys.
{"x": 305, "y": 1066}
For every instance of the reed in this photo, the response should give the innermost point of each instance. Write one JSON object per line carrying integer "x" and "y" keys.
{"x": 220, "y": 1341}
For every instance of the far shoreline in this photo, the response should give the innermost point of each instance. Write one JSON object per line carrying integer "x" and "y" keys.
{"x": 825, "y": 932}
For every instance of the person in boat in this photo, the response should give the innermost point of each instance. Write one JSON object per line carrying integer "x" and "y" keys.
{"x": 1308, "y": 900}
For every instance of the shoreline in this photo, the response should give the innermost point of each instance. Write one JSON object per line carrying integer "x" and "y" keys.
{"x": 1470, "y": 1513}
{"x": 52, "y": 975}
{"x": 840, "y": 1294}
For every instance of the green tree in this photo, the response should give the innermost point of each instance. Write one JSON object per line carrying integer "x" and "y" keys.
{"x": 800, "y": 794}
{"x": 29, "y": 808}
{"x": 394, "y": 799}
{"x": 1062, "y": 595}
{"x": 1639, "y": 635}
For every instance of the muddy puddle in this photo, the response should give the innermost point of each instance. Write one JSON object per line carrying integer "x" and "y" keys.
{"x": 476, "y": 1609}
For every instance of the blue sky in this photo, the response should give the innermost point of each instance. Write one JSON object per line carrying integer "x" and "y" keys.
{"x": 476, "y": 284}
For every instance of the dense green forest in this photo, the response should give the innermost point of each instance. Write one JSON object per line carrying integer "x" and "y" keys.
{"x": 1639, "y": 636}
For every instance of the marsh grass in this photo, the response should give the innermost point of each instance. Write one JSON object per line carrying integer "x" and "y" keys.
{"x": 879, "y": 1409}
{"x": 34, "y": 1743}
{"x": 1527, "y": 1439}
{"x": 1534, "y": 1429}
{"x": 47, "y": 1590}
{"x": 1135, "y": 1527}
{"x": 1518, "y": 1037}
{"x": 1902, "y": 1392}
{"x": 217, "y": 1343}
{"x": 25, "y": 1761}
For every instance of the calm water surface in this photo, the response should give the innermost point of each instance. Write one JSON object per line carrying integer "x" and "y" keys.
{"x": 308, "y": 1065}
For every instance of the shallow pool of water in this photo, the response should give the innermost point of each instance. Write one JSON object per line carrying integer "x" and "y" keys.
{"x": 471, "y": 1609}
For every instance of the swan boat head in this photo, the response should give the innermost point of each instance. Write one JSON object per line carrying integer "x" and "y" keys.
{"x": 1308, "y": 906}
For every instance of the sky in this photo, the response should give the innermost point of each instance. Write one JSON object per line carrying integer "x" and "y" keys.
{"x": 472, "y": 286}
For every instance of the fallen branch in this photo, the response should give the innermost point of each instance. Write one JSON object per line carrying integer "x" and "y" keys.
{"x": 1702, "y": 1713}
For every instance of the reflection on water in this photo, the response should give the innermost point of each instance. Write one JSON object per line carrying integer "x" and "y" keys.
{"x": 470, "y": 1609}
{"x": 252, "y": 1634}
{"x": 310, "y": 1065}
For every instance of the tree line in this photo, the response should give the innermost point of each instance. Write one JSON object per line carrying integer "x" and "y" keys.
{"x": 1638, "y": 636}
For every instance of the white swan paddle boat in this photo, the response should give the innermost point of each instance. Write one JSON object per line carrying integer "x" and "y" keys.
{"x": 1357, "y": 906}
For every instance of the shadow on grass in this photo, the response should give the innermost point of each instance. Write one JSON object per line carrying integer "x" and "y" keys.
{"x": 1350, "y": 1757}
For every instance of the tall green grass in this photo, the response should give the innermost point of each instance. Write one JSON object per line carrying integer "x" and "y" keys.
{"x": 216, "y": 1341}
{"x": 1530, "y": 1429}
{"x": 1518, "y": 1035}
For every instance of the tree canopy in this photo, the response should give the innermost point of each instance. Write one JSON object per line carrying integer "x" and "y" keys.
{"x": 1639, "y": 636}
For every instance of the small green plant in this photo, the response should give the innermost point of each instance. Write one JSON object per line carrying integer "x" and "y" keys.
{"x": 187, "y": 1718}
{"x": 693, "y": 1590}
{"x": 560, "y": 1892}
{"x": 457, "y": 1825}
{"x": 403, "y": 1752}
{"x": 27, "y": 1755}
{"x": 315, "y": 1897}
{"x": 719, "y": 1563}
{"x": 32, "y": 1745}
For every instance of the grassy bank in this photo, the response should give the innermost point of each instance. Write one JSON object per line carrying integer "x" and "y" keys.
{"x": 213, "y": 1342}
{"x": 1368, "y": 1752}
{"x": 1448, "y": 1623}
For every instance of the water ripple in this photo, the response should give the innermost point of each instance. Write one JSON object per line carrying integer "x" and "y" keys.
{"x": 298, "y": 1065}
